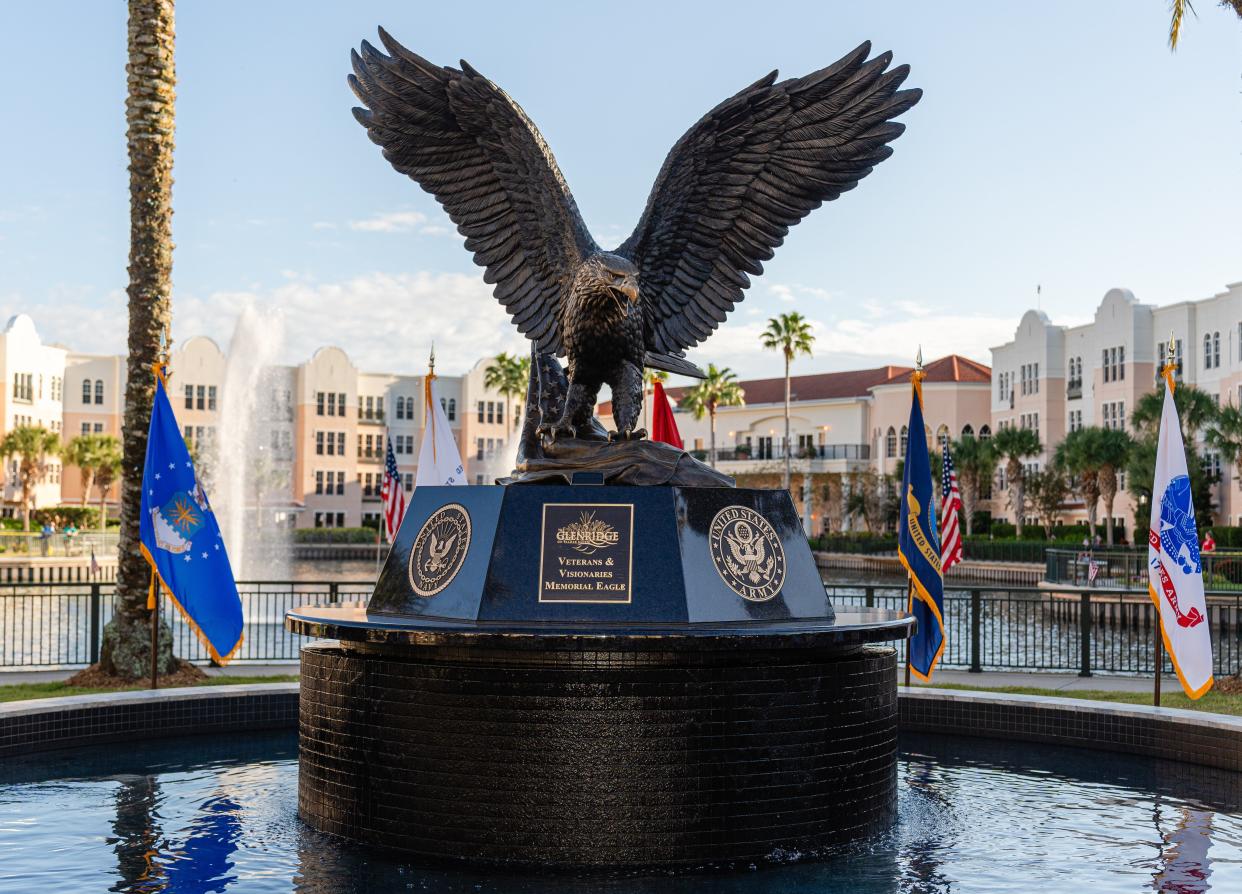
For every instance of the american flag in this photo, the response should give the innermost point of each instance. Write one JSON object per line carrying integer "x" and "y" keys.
{"x": 950, "y": 506}
{"x": 392, "y": 494}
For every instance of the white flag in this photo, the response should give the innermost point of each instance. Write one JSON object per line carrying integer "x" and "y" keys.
{"x": 1174, "y": 570}
{"x": 438, "y": 460}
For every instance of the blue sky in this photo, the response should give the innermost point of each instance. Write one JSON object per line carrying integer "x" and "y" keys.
{"x": 1057, "y": 143}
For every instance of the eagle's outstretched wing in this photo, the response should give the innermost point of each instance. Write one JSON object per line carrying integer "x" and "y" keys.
{"x": 462, "y": 139}
{"x": 743, "y": 175}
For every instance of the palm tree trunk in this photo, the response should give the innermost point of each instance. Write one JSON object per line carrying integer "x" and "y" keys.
{"x": 26, "y": 507}
{"x": 88, "y": 481}
{"x": 149, "y": 113}
{"x": 787, "y": 445}
{"x": 711, "y": 414}
{"x": 1108, "y": 522}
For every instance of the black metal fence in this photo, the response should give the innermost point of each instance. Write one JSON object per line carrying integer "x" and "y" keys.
{"x": 1028, "y": 629}
{"x": 45, "y": 626}
{"x": 1127, "y": 569}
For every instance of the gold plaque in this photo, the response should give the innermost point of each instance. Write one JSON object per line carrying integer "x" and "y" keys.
{"x": 586, "y": 552}
{"x": 747, "y": 553}
{"x": 439, "y": 549}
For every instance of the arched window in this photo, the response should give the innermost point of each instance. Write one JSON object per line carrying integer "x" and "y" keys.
{"x": 967, "y": 431}
{"x": 985, "y": 432}
{"x": 1216, "y": 349}
{"x": 905, "y": 436}
{"x": 1207, "y": 351}
{"x": 99, "y": 391}
{"x": 942, "y": 434}
{"x": 890, "y": 443}
{"x": 86, "y": 391}
{"x": 400, "y": 407}
{"x": 452, "y": 409}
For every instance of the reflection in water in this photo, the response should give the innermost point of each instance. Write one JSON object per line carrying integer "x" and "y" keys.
{"x": 136, "y": 836}
{"x": 1184, "y": 866}
{"x": 973, "y": 816}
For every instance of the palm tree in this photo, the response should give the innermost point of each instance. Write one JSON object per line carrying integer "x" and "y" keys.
{"x": 107, "y": 470}
{"x": 32, "y": 445}
{"x": 650, "y": 377}
{"x": 1014, "y": 445}
{"x": 975, "y": 461}
{"x": 82, "y": 452}
{"x": 719, "y": 388}
{"x": 791, "y": 335}
{"x": 1079, "y": 455}
{"x": 149, "y": 105}
{"x": 1178, "y": 10}
{"x": 1196, "y": 408}
{"x": 1225, "y": 435}
{"x": 509, "y": 375}
{"x": 1112, "y": 452}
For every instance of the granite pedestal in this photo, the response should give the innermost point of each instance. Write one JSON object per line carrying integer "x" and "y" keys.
{"x": 599, "y": 676}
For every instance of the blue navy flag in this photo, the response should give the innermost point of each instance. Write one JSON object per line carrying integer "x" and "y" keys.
{"x": 180, "y": 537}
{"x": 918, "y": 543}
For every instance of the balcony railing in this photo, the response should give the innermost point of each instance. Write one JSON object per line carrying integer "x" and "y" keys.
{"x": 1073, "y": 389}
{"x": 375, "y": 417}
{"x": 813, "y": 452}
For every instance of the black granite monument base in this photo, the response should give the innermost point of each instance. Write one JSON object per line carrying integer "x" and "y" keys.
{"x": 599, "y": 676}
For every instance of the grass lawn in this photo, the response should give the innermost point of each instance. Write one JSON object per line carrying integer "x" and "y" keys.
{"x": 21, "y": 691}
{"x": 1170, "y": 697}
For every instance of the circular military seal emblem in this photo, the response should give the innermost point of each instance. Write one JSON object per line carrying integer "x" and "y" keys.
{"x": 439, "y": 549}
{"x": 747, "y": 553}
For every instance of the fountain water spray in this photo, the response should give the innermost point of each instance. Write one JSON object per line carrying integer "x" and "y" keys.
{"x": 247, "y": 466}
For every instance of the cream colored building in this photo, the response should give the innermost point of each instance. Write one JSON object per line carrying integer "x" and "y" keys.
{"x": 35, "y": 377}
{"x": 1055, "y": 379}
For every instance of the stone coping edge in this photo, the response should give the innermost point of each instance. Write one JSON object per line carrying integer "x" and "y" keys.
{"x": 72, "y": 721}
{"x": 1192, "y": 737}
{"x": 1211, "y": 740}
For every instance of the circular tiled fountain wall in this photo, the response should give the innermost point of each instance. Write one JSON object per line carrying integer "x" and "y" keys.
{"x": 598, "y": 755}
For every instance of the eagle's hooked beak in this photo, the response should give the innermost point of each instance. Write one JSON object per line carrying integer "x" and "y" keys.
{"x": 629, "y": 288}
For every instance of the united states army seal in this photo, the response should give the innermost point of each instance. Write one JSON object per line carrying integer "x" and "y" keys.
{"x": 747, "y": 553}
{"x": 439, "y": 549}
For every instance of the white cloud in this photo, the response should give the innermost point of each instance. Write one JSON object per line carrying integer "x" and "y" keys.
{"x": 391, "y": 222}
{"x": 323, "y": 225}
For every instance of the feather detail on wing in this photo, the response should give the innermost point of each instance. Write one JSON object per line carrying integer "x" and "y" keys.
{"x": 743, "y": 175}
{"x": 738, "y": 555}
{"x": 462, "y": 139}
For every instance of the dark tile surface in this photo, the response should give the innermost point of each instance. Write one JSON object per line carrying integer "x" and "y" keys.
{"x": 617, "y": 758}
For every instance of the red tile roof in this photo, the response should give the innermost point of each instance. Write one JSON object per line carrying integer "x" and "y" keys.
{"x": 851, "y": 383}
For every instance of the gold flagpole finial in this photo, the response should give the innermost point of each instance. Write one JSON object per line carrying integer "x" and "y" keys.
{"x": 918, "y": 360}
{"x": 1170, "y": 362}
{"x": 431, "y": 362}
{"x": 917, "y": 376}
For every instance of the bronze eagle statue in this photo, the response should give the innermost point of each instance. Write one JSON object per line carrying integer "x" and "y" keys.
{"x": 725, "y": 198}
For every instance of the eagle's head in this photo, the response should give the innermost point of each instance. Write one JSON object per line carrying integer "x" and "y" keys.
{"x": 613, "y": 275}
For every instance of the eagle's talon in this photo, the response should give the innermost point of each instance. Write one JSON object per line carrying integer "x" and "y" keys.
{"x": 635, "y": 435}
{"x": 556, "y": 431}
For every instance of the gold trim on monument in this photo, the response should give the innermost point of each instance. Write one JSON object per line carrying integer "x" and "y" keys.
{"x": 747, "y": 553}
{"x": 439, "y": 550}
{"x": 582, "y": 541}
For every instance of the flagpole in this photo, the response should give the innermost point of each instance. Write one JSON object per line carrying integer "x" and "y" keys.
{"x": 1168, "y": 371}
{"x": 153, "y": 603}
{"x": 909, "y": 608}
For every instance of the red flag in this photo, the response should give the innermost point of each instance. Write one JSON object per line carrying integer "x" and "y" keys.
{"x": 663, "y": 426}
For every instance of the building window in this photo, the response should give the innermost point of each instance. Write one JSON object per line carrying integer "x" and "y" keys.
{"x": 319, "y": 443}
{"x": 478, "y": 449}
{"x": 491, "y": 411}
{"x": 400, "y": 407}
{"x": 340, "y": 483}
{"x": 500, "y": 412}
{"x": 480, "y": 411}
{"x": 211, "y": 397}
{"x": 340, "y": 443}
{"x": 86, "y": 386}
{"x": 318, "y": 403}
{"x": 904, "y": 438}
{"x": 1216, "y": 349}
{"x": 318, "y": 484}
{"x": 452, "y": 409}
{"x": 1207, "y": 351}
{"x": 890, "y": 443}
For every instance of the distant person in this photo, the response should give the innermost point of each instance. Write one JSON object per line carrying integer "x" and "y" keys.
{"x": 71, "y": 533}
{"x": 45, "y": 537}
{"x": 1209, "y": 543}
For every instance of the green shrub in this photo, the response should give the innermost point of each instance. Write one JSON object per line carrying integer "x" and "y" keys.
{"x": 82, "y": 517}
{"x": 334, "y": 535}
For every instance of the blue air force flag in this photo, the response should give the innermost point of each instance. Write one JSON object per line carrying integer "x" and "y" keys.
{"x": 180, "y": 537}
{"x": 918, "y": 543}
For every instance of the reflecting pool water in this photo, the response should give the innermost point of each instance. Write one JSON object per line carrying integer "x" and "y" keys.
{"x": 220, "y": 815}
